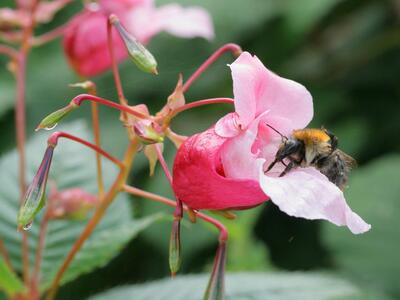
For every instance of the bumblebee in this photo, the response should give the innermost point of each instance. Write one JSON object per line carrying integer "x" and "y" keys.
{"x": 314, "y": 148}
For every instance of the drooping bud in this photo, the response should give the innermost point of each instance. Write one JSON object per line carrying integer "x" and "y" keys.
{"x": 175, "y": 247}
{"x": 73, "y": 204}
{"x": 142, "y": 57}
{"x": 54, "y": 118}
{"x": 148, "y": 132}
{"x": 216, "y": 285}
{"x": 35, "y": 197}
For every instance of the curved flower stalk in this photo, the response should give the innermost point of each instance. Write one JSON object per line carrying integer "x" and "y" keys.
{"x": 223, "y": 168}
{"x": 35, "y": 198}
{"x": 85, "y": 41}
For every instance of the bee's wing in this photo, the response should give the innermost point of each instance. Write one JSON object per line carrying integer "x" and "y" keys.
{"x": 350, "y": 162}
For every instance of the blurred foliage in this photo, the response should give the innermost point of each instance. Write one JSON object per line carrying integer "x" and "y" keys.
{"x": 9, "y": 282}
{"x": 346, "y": 52}
{"x": 372, "y": 259}
{"x": 241, "y": 286}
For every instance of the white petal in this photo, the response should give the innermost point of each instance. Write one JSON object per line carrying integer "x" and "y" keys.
{"x": 306, "y": 193}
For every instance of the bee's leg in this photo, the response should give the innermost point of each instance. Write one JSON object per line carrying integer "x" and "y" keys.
{"x": 271, "y": 165}
{"x": 288, "y": 168}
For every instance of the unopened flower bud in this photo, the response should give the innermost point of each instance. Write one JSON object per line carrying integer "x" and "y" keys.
{"x": 148, "y": 132}
{"x": 35, "y": 198}
{"x": 175, "y": 248}
{"x": 54, "y": 118}
{"x": 142, "y": 57}
{"x": 72, "y": 204}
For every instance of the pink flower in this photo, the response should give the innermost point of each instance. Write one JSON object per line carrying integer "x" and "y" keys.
{"x": 71, "y": 203}
{"x": 85, "y": 40}
{"x": 224, "y": 167}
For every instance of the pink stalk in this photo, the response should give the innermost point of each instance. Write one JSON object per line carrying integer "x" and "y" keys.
{"x": 223, "y": 233}
{"x": 201, "y": 103}
{"x": 117, "y": 78}
{"x": 233, "y": 48}
{"x": 53, "y": 140}
{"x": 83, "y": 97}
{"x": 49, "y": 36}
{"x": 11, "y": 52}
{"x": 163, "y": 163}
{"x": 21, "y": 59}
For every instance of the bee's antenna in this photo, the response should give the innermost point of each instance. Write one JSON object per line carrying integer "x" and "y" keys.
{"x": 282, "y": 136}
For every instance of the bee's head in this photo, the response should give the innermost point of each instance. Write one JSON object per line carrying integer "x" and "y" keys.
{"x": 289, "y": 146}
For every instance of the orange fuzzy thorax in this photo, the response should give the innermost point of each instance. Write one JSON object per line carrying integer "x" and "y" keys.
{"x": 311, "y": 136}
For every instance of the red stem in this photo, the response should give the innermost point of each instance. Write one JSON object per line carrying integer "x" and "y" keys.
{"x": 178, "y": 210}
{"x": 117, "y": 78}
{"x": 235, "y": 49}
{"x": 201, "y": 103}
{"x": 53, "y": 140}
{"x": 223, "y": 236}
{"x": 20, "y": 125}
{"x": 163, "y": 164}
{"x": 83, "y": 97}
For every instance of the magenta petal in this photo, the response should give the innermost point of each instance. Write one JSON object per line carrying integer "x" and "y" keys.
{"x": 307, "y": 193}
{"x": 257, "y": 89}
{"x": 85, "y": 44}
{"x": 199, "y": 179}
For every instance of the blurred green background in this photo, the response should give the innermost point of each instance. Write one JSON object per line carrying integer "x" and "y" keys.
{"x": 346, "y": 52}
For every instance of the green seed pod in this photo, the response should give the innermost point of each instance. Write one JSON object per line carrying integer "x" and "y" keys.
{"x": 35, "y": 197}
{"x": 54, "y": 118}
{"x": 142, "y": 57}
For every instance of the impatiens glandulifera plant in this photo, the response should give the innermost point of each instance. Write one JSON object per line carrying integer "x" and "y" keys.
{"x": 221, "y": 169}
{"x": 142, "y": 129}
{"x": 17, "y": 30}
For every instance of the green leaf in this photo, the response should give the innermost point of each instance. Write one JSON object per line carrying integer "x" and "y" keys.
{"x": 372, "y": 258}
{"x": 241, "y": 286}
{"x": 9, "y": 282}
{"x": 73, "y": 166}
